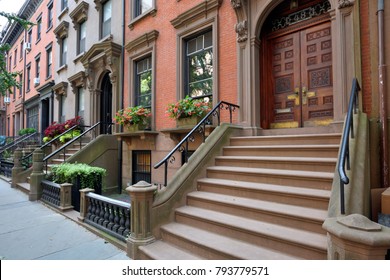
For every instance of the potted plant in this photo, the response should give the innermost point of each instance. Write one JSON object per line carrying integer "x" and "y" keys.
{"x": 133, "y": 118}
{"x": 56, "y": 129}
{"x": 188, "y": 111}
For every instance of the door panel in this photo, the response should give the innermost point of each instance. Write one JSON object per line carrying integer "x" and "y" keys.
{"x": 302, "y": 77}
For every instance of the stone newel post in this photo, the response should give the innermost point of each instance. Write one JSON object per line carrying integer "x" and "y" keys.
{"x": 17, "y": 167}
{"x": 141, "y": 198}
{"x": 84, "y": 203}
{"x": 37, "y": 176}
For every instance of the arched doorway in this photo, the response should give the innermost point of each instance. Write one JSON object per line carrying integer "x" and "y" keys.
{"x": 106, "y": 104}
{"x": 296, "y": 65}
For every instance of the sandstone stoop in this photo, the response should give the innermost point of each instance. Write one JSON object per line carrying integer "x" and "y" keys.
{"x": 266, "y": 197}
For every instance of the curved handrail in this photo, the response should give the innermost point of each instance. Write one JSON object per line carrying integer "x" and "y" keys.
{"x": 18, "y": 141}
{"x": 214, "y": 111}
{"x": 344, "y": 149}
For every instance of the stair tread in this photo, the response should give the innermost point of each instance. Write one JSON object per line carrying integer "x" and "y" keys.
{"x": 238, "y": 249}
{"x": 289, "y": 136}
{"x": 274, "y": 231}
{"x": 259, "y": 205}
{"x": 318, "y": 193}
{"x": 271, "y": 158}
{"x": 282, "y": 172}
{"x": 298, "y": 146}
{"x": 161, "y": 250}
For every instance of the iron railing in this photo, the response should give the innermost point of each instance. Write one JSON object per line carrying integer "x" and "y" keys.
{"x": 344, "y": 156}
{"x": 51, "y": 193}
{"x": 22, "y": 141}
{"x": 73, "y": 141}
{"x": 111, "y": 216}
{"x": 27, "y": 159}
{"x": 199, "y": 128}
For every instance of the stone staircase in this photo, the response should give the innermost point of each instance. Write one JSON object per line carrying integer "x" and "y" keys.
{"x": 265, "y": 198}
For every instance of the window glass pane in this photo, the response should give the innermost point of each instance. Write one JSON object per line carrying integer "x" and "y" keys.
{"x": 107, "y": 11}
{"x": 146, "y": 5}
{"x": 81, "y": 99}
{"x": 200, "y": 65}
{"x": 144, "y": 82}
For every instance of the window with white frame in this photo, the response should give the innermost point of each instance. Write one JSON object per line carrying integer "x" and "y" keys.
{"x": 106, "y": 18}
{"x": 80, "y": 102}
{"x": 63, "y": 51}
{"x": 29, "y": 36}
{"x": 28, "y": 82}
{"x": 39, "y": 28}
{"x": 199, "y": 65}
{"x": 61, "y": 108}
{"x": 141, "y": 6}
{"x": 82, "y": 36}
{"x": 37, "y": 66}
{"x": 143, "y": 82}
{"x": 49, "y": 60}
{"x": 64, "y": 4}
{"x": 50, "y": 15}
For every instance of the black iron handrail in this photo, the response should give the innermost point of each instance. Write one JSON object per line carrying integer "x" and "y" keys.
{"x": 29, "y": 156}
{"x": 200, "y": 127}
{"x": 344, "y": 156}
{"x": 73, "y": 140}
{"x": 20, "y": 140}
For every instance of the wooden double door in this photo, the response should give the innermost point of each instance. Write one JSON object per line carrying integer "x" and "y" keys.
{"x": 301, "y": 80}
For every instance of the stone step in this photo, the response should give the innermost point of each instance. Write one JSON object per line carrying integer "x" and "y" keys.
{"x": 161, "y": 250}
{"x": 291, "y": 163}
{"x": 295, "y": 178}
{"x": 293, "y": 216}
{"x": 325, "y": 151}
{"x": 302, "y": 139}
{"x": 210, "y": 245}
{"x": 297, "y": 242}
{"x": 289, "y": 195}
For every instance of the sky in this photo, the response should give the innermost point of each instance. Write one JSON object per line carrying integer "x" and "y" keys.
{"x": 10, "y": 6}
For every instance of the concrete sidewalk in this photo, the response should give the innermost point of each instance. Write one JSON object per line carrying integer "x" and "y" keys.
{"x": 32, "y": 231}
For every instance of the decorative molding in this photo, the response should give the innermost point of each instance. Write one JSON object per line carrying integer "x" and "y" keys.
{"x": 346, "y": 3}
{"x": 60, "y": 88}
{"x": 79, "y": 14}
{"x": 199, "y": 11}
{"x": 300, "y": 16}
{"x": 242, "y": 31}
{"x": 142, "y": 40}
{"x": 77, "y": 80}
{"x": 236, "y": 4}
{"x": 62, "y": 30}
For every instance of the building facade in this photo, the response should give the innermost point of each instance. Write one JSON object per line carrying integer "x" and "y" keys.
{"x": 31, "y": 55}
{"x": 287, "y": 64}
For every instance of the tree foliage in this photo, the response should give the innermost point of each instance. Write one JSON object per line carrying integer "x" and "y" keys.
{"x": 8, "y": 79}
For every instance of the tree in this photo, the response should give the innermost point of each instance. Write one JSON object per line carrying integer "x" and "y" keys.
{"x": 8, "y": 79}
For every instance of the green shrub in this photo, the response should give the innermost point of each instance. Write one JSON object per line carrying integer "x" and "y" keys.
{"x": 68, "y": 136}
{"x": 89, "y": 176}
{"x": 27, "y": 130}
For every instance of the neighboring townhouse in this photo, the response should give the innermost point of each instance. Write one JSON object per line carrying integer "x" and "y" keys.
{"x": 87, "y": 79}
{"x": 31, "y": 55}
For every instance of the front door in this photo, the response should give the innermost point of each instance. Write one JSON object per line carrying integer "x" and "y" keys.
{"x": 106, "y": 105}
{"x": 302, "y": 77}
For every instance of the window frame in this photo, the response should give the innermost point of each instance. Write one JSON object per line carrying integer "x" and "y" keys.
{"x": 107, "y": 22}
{"x": 147, "y": 166}
{"x": 80, "y": 111}
{"x": 37, "y": 66}
{"x": 39, "y": 28}
{"x": 28, "y": 77}
{"x": 50, "y": 15}
{"x": 63, "y": 54}
{"x": 137, "y": 77}
{"x": 64, "y": 4}
{"x": 81, "y": 42}
{"x": 49, "y": 60}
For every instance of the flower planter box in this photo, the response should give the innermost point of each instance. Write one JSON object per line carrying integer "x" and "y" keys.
{"x": 135, "y": 127}
{"x": 188, "y": 122}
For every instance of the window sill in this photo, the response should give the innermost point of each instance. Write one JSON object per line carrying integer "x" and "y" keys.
{"x": 78, "y": 57}
{"x": 106, "y": 38}
{"x": 37, "y": 41}
{"x": 49, "y": 28}
{"x": 151, "y": 12}
{"x": 63, "y": 12}
{"x": 63, "y": 67}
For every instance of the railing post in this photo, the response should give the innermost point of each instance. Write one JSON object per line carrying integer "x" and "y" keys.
{"x": 36, "y": 176}
{"x": 84, "y": 204}
{"x": 141, "y": 198}
{"x": 66, "y": 197}
{"x": 355, "y": 237}
{"x": 18, "y": 155}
